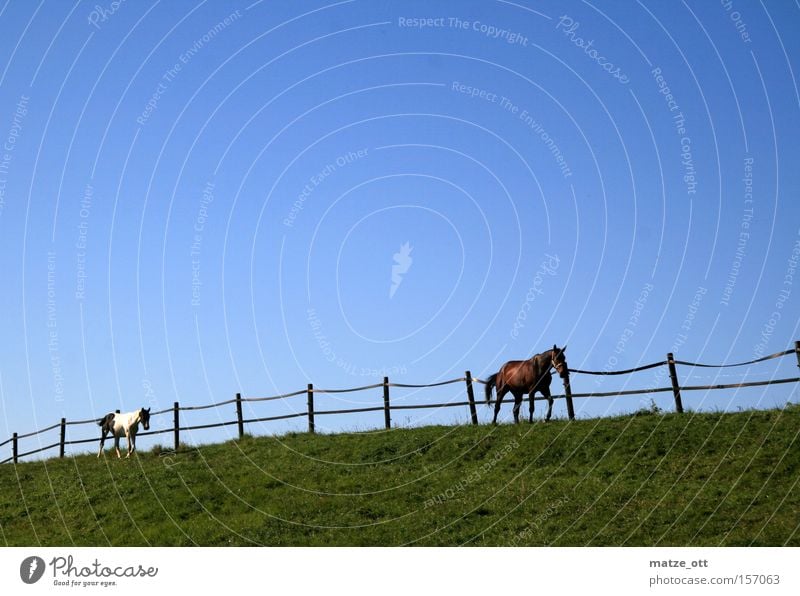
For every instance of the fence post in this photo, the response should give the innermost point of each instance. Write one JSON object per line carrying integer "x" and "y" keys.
{"x": 797, "y": 352}
{"x": 568, "y": 397}
{"x": 311, "y": 428}
{"x": 387, "y": 416}
{"x": 471, "y": 397}
{"x": 176, "y": 420}
{"x": 676, "y": 389}
{"x": 14, "y": 447}
{"x": 239, "y": 418}
{"x": 63, "y": 437}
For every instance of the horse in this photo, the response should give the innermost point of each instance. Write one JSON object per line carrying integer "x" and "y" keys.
{"x": 127, "y": 424}
{"x": 527, "y": 376}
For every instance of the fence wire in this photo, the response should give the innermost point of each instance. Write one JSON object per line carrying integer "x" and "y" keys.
{"x": 387, "y": 407}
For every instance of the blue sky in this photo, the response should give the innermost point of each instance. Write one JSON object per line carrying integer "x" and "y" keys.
{"x": 200, "y": 199}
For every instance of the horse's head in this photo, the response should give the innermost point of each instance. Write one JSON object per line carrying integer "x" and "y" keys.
{"x": 144, "y": 417}
{"x": 559, "y": 361}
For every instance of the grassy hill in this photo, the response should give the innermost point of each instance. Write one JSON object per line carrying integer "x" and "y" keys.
{"x": 648, "y": 479}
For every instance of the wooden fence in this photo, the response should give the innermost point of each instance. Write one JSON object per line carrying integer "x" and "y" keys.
{"x": 310, "y": 412}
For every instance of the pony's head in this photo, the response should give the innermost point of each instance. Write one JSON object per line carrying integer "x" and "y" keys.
{"x": 559, "y": 360}
{"x": 144, "y": 417}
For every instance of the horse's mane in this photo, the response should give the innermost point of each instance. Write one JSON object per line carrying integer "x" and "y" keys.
{"x": 546, "y": 353}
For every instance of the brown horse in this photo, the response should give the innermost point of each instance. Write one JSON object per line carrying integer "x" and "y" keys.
{"x": 527, "y": 376}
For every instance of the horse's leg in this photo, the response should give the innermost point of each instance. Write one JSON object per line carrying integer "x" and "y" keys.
{"x": 517, "y": 405}
{"x": 128, "y": 437}
{"x": 102, "y": 441}
{"x": 531, "y": 405}
{"x": 500, "y": 394}
{"x": 116, "y": 444}
{"x": 546, "y": 392}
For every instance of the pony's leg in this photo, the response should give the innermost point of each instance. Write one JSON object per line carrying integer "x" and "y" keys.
{"x": 102, "y": 442}
{"x": 531, "y": 406}
{"x": 116, "y": 445}
{"x": 128, "y": 437}
{"x": 500, "y": 394}
{"x": 517, "y": 406}
{"x": 546, "y": 393}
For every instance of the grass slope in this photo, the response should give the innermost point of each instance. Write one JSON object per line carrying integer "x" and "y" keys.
{"x": 692, "y": 479}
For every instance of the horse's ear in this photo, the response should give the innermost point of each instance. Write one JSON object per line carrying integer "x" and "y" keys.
{"x": 555, "y": 348}
{"x": 147, "y": 410}
{"x": 564, "y": 349}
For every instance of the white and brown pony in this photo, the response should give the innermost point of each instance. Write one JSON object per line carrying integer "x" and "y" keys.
{"x": 123, "y": 424}
{"x": 522, "y": 377}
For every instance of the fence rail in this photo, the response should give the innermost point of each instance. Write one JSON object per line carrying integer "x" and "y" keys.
{"x": 386, "y": 407}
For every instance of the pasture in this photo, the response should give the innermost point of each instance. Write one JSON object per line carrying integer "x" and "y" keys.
{"x": 730, "y": 479}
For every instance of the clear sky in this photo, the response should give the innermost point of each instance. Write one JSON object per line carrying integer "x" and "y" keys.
{"x": 202, "y": 198}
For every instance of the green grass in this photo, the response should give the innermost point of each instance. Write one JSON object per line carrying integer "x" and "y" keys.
{"x": 652, "y": 479}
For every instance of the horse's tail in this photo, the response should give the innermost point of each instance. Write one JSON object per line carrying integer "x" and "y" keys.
{"x": 490, "y": 382}
{"x": 106, "y": 420}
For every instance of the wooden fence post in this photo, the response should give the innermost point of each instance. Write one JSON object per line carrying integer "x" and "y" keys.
{"x": 676, "y": 388}
{"x": 63, "y": 437}
{"x": 797, "y": 352}
{"x": 239, "y": 418}
{"x": 176, "y": 420}
{"x": 311, "y": 427}
{"x": 471, "y": 397}
{"x": 387, "y": 416}
{"x": 568, "y": 397}
{"x": 14, "y": 447}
